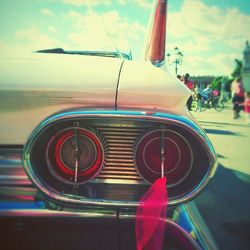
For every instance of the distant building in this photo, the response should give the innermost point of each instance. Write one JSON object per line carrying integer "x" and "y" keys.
{"x": 246, "y": 68}
{"x": 203, "y": 81}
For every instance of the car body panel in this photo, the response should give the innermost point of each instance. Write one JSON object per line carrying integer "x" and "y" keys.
{"x": 150, "y": 88}
{"x": 28, "y": 95}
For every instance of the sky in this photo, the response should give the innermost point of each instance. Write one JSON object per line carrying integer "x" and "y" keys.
{"x": 211, "y": 34}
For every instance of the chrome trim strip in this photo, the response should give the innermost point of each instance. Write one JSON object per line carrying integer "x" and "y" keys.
{"x": 169, "y": 222}
{"x": 94, "y": 213}
{"x": 202, "y": 231}
{"x": 11, "y": 168}
{"x": 176, "y": 119}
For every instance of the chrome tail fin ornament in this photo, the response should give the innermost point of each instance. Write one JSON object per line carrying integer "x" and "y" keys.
{"x": 155, "y": 46}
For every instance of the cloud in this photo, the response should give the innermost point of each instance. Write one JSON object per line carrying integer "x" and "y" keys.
{"x": 202, "y": 30}
{"x": 86, "y": 2}
{"x": 197, "y": 18}
{"x": 104, "y": 31}
{"x": 209, "y": 37}
{"x": 220, "y": 64}
{"x": 47, "y": 12}
{"x": 32, "y": 39}
{"x": 224, "y": 62}
{"x": 197, "y": 44}
{"x": 236, "y": 43}
{"x": 122, "y": 2}
{"x": 146, "y": 4}
{"x": 52, "y": 29}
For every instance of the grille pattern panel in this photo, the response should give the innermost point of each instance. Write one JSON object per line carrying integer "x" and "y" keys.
{"x": 119, "y": 140}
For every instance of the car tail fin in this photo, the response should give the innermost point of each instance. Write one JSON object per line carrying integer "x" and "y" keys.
{"x": 155, "y": 45}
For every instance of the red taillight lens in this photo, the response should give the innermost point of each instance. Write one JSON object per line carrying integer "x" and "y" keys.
{"x": 177, "y": 153}
{"x": 75, "y": 155}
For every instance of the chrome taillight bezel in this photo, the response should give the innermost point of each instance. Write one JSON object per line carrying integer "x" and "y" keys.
{"x": 110, "y": 192}
{"x": 59, "y": 169}
{"x": 143, "y": 166}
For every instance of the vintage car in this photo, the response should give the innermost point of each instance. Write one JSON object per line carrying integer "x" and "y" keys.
{"x": 83, "y": 137}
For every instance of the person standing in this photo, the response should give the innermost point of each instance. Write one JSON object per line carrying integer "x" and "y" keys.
{"x": 190, "y": 85}
{"x": 247, "y": 107}
{"x": 238, "y": 97}
{"x": 223, "y": 89}
{"x": 198, "y": 94}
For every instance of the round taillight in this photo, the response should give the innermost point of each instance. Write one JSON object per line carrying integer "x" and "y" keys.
{"x": 74, "y": 155}
{"x": 167, "y": 146}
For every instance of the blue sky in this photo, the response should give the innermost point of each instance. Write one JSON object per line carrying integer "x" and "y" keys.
{"x": 210, "y": 33}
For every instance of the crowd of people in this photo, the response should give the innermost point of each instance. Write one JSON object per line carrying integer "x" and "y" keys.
{"x": 240, "y": 98}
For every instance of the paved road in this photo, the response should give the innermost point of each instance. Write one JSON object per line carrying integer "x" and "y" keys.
{"x": 225, "y": 204}
{"x": 231, "y": 138}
